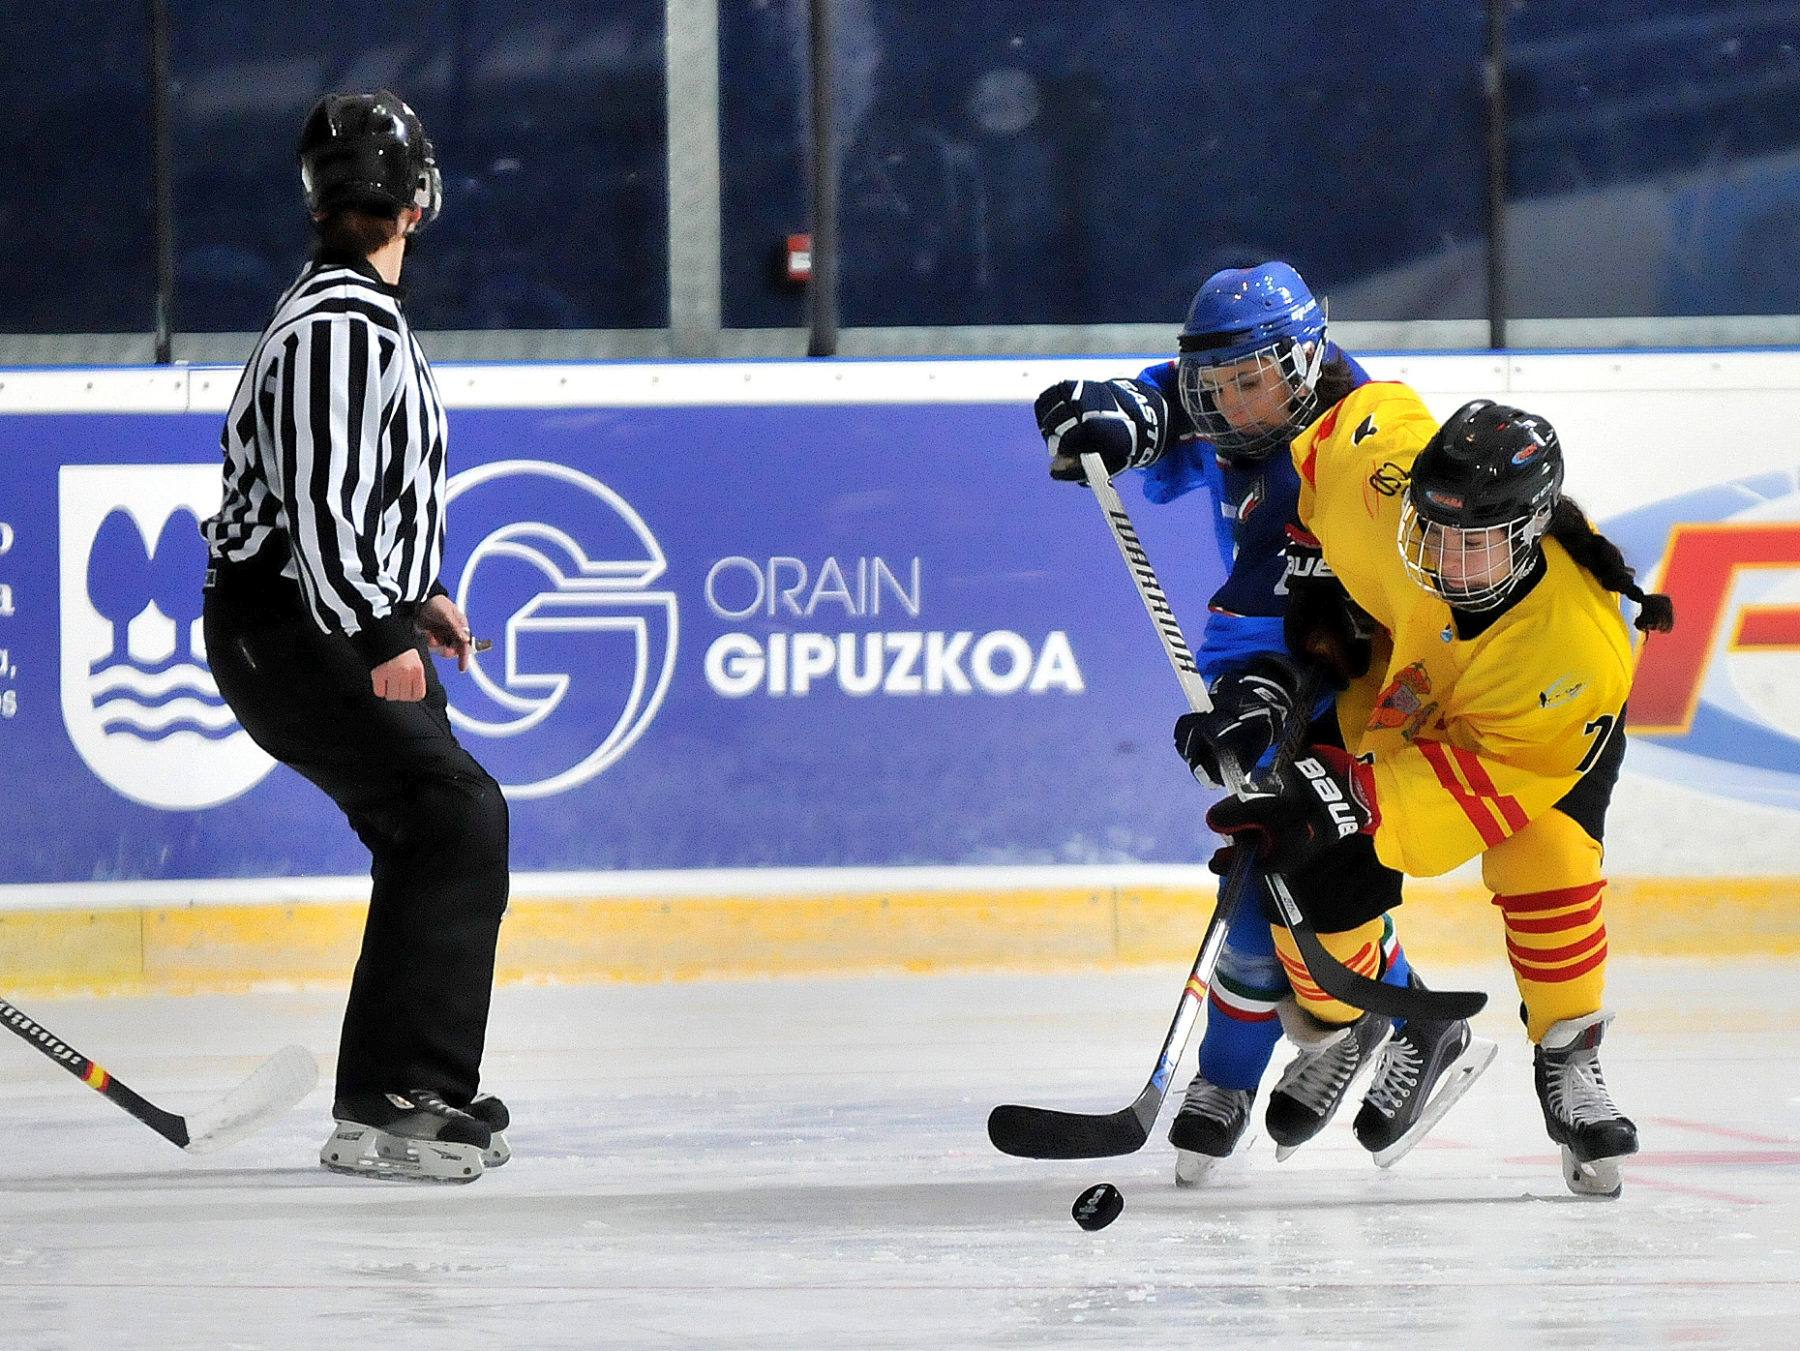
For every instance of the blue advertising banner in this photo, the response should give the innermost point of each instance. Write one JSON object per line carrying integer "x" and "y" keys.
{"x": 724, "y": 636}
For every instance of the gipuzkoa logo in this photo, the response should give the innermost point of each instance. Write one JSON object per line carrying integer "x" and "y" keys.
{"x": 556, "y": 568}
{"x": 137, "y": 694}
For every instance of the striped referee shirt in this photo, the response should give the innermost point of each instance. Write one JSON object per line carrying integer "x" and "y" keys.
{"x": 334, "y": 458}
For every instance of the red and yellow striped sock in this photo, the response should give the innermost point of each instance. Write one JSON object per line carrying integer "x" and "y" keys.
{"x": 1548, "y": 884}
{"x": 1360, "y": 949}
{"x": 1556, "y": 941}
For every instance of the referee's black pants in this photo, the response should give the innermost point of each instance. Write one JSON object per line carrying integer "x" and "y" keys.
{"x": 433, "y": 819}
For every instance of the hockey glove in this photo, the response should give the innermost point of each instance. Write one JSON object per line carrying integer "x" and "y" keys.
{"x": 1322, "y": 624}
{"x": 1250, "y": 707}
{"x": 1124, "y": 422}
{"x": 1302, "y": 809}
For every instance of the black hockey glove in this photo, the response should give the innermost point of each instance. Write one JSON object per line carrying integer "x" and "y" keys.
{"x": 1124, "y": 422}
{"x": 1250, "y": 707}
{"x": 1302, "y": 809}
{"x": 1322, "y": 624}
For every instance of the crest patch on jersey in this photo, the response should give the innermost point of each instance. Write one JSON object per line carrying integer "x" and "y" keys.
{"x": 1406, "y": 704}
{"x": 1364, "y": 430}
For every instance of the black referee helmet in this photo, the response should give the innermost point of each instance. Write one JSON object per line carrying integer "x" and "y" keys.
{"x": 368, "y": 152}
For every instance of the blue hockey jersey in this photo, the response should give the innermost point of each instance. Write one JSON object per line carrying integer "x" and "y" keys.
{"x": 1254, "y": 505}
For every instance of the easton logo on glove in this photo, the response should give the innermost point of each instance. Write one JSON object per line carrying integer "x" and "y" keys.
{"x": 1124, "y": 422}
{"x": 1249, "y": 709}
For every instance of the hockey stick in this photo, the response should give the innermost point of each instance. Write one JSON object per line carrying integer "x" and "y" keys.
{"x": 273, "y": 1087}
{"x": 1045, "y": 1133}
{"x": 1358, "y": 991}
{"x": 1331, "y": 976}
{"x": 1327, "y": 972}
{"x": 1334, "y": 978}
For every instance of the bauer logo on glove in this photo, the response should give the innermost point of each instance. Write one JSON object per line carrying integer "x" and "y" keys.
{"x": 1303, "y": 809}
{"x": 1349, "y": 821}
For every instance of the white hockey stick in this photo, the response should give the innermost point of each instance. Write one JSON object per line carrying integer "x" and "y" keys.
{"x": 273, "y": 1087}
{"x": 1336, "y": 979}
{"x": 1150, "y": 591}
{"x": 1044, "y": 1132}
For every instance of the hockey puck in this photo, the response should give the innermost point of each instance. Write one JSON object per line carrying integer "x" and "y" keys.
{"x": 1098, "y": 1206}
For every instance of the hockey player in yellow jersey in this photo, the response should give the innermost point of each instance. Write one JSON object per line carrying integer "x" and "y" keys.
{"x": 1483, "y": 710}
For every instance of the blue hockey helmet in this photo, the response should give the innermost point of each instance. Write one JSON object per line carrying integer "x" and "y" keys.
{"x": 1247, "y": 324}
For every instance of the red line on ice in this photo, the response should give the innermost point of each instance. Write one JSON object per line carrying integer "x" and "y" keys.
{"x": 1682, "y": 1123}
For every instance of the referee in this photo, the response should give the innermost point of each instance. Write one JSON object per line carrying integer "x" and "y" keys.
{"x": 322, "y": 598}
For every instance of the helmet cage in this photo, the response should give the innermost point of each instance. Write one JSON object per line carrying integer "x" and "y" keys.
{"x": 1198, "y": 378}
{"x": 1473, "y": 568}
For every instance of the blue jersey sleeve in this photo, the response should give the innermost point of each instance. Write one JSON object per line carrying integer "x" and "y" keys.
{"x": 1230, "y": 642}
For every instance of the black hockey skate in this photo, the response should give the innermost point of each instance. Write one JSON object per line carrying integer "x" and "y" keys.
{"x": 1578, "y": 1111}
{"x": 1314, "y": 1084}
{"x": 492, "y": 1113}
{"x": 1207, "y": 1128}
{"x": 414, "y": 1135}
{"x": 1421, "y": 1072}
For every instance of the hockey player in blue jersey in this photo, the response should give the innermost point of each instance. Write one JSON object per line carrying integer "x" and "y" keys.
{"x": 1254, "y": 368}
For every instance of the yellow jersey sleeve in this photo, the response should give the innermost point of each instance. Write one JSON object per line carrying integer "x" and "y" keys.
{"x": 1353, "y": 465}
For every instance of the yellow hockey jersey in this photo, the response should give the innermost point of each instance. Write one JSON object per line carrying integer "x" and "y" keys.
{"x": 1470, "y": 739}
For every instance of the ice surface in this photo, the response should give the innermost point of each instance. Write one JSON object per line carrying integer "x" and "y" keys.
{"x": 802, "y": 1164}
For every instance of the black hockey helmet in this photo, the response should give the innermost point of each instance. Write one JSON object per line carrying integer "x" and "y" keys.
{"x": 368, "y": 152}
{"x": 1478, "y": 501}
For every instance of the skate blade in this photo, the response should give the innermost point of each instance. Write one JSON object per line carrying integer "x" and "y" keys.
{"x": 1194, "y": 1169}
{"x": 497, "y": 1152}
{"x": 362, "y": 1151}
{"x": 1599, "y": 1178}
{"x": 1457, "y": 1080}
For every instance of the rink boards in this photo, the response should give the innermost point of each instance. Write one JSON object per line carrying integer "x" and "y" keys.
{"x": 810, "y": 667}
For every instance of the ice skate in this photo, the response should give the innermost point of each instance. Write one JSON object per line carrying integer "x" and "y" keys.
{"x": 492, "y": 1113}
{"x": 1207, "y": 1128}
{"x": 1578, "y": 1111}
{"x": 1421, "y": 1072}
{"x": 1315, "y": 1082}
{"x": 416, "y": 1136}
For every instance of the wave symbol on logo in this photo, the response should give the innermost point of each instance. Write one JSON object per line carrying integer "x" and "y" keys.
{"x": 138, "y": 696}
{"x": 558, "y": 569}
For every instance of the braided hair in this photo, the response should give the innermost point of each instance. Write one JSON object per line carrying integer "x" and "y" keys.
{"x": 1570, "y": 527}
{"x": 1336, "y": 380}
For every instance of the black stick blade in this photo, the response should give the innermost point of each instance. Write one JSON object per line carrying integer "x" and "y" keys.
{"x": 1391, "y": 1001}
{"x": 1358, "y": 991}
{"x": 1042, "y": 1133}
